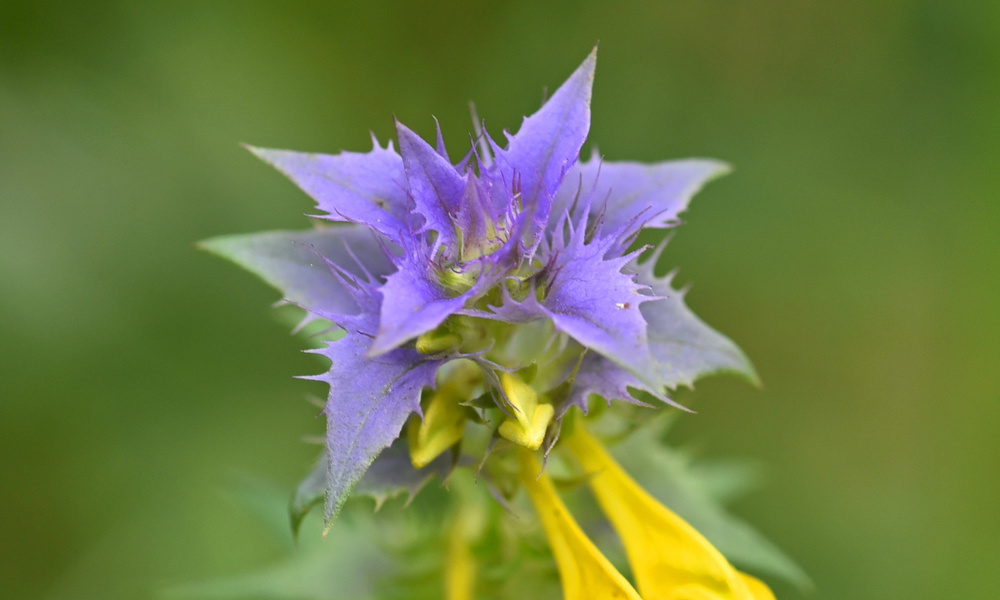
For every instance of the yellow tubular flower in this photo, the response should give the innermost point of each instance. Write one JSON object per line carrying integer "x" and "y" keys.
{"x": 441, "y": 428}
{"x": 585, "y": 573}
{"x": 527, "y": 428}
{"x": 670, "y": 559}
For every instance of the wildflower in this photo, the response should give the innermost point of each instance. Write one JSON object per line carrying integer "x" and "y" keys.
{"x": 504, "y": 282}
{"x": 669, "y": 558}
{"x": 584, "y": 571}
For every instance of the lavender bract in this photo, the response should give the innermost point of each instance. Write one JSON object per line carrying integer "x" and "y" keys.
{"x": 515, "y": 258}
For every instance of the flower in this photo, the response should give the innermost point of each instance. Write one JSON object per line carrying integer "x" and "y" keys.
{"x": 670, "y": 559}
{"x": 584, "y": 571}
{"x": 500, "y": 288}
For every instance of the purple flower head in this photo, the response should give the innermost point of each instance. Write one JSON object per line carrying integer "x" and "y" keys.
{"x": 500, "y": 287}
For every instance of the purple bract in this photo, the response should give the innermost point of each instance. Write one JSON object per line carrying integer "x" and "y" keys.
{"x": 440, "y": 262}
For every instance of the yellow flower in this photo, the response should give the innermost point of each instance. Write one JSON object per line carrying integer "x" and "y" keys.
{"x": 441, "y": 428}
{"x": 443, "y": 422}
{"x": 585, "y": 573}
{"x": 531, "y": 418}
{"x": 670, "y": 559}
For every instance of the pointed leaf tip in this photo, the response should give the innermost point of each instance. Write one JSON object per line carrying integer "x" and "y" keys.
{"x": 435, "y": 186}
{"x": 294, "y": 262}
{"x": 368, "y": 405}
{"x": 548, "y": 143}
{"x": 362, "y": 188}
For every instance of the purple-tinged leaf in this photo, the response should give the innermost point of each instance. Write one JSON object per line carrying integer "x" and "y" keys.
{"x": 370, "y": 400}
{"x": 548, "y": 142}
{"x": 293, "y": 262}
{"x": 685, "y": 348}
{"x": 389, "y": 475}
{"x": 622, "y": 191}
{"x": 599, "y": 376}
{"x": 309, "y": 493}
{"x": 439, "y": 146}
{"x": 434, "y": 184}
{"x": 589, "y": 297}
{"x": 393, "y": 474}
{"x": 369, "y": 188}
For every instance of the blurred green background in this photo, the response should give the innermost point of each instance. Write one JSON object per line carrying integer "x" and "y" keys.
{"x": 853, "y": 254}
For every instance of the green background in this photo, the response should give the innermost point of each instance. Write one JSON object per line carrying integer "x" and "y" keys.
{"x": 853, "y": 254}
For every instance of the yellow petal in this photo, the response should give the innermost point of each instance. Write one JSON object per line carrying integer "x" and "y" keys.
{"x": 442, "y": 426}
{"x": 527, "y": 428}
{"x": 436, "y": 341}
{"x": 669, "y": 558}
{"x": 585, "y": 573}
{"x": 690, "y": 592}
{"x": 758, "y": 589}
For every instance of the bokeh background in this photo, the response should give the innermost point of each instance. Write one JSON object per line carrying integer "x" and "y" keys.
{"x": 853, "y": 254}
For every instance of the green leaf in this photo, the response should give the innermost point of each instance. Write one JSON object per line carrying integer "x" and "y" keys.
{"x": 309, "y": 493}
{"x": 326, "y": 572}
{"x": 390, "y": 475}
{"x": 312, "y": 569}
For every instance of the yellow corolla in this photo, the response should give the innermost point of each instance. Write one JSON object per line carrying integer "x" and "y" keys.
{"x": 442, "y": 426}
{"x": 669, "y": 558}
{"x": 531, "y": 417}
{"x": 585, "y": 573}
